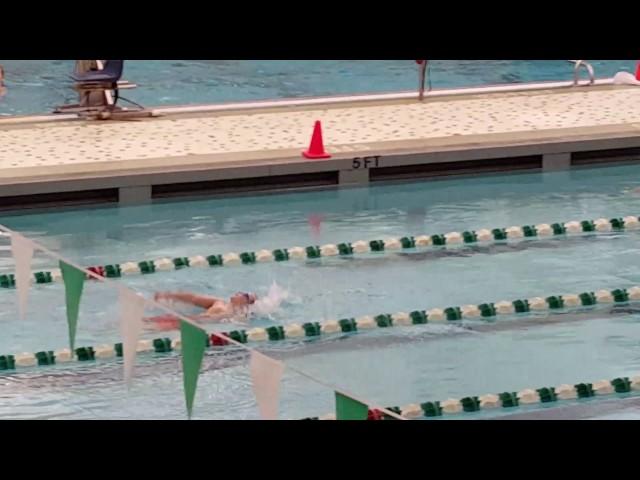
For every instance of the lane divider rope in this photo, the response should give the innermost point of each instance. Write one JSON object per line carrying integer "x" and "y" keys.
{"x": 507, "y": 400}
{"x": 451, "y": 239}
{"x": 313, "y": 330}
{"x": 183, "y": 319}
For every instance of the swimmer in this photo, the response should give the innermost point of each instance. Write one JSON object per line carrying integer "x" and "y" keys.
{"x": 217, "y": 310}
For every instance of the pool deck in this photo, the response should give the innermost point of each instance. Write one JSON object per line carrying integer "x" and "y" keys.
{"x": 224, "y": 148}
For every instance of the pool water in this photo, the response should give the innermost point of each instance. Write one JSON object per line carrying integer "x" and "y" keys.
{"x": 390, "y": 366}
{"x": 37, "y": 86}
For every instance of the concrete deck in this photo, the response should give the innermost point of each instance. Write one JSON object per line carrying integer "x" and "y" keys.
{"x": 545, "y": 128}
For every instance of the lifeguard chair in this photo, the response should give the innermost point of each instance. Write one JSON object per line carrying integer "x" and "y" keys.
{"x": 98, "y": 85}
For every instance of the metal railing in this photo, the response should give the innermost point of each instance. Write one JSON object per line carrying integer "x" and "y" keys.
{"x": 576, "y": 72}
{"x": 423, "y": 80}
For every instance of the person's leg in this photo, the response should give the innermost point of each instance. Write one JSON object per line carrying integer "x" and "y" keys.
{"x": 163, "y": 322}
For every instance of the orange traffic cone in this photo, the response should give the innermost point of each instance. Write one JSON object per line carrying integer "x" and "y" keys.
{"x": 316, "y": 148}
{"x": 638, "y": 71}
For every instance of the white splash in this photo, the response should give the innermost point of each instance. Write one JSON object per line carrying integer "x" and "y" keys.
{"x": 270, "y": 303}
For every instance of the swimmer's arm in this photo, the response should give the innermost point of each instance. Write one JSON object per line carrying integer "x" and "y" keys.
{"x": 209, "y": 318}
{"x": 217, "y": 313}
{"x": 202, "y": 301}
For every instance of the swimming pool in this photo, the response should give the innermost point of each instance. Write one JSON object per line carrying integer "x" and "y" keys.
{"x": 389, "y": 366}
{"x": 36, "y": 86}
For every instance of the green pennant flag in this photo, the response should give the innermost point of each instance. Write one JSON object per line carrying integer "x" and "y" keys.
{"x": 194, "y": 341}
{"x": 73, "y": 283}
{"x": 349, "y": 409}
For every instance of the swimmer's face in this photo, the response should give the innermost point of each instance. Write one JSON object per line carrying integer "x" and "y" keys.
{"x": 241, "y": 299}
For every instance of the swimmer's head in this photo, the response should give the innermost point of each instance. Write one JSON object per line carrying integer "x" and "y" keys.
{"x": 242, "y": 299}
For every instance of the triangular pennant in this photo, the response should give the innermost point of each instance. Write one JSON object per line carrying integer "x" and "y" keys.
{"x": 266, "y": 374}
{"x": 73, "y": 283}
{"x": 22, "y": 249}
{"x": 349, "y": 409}
{"x": 194, "y": 341}
{"x": 131, "y": 312}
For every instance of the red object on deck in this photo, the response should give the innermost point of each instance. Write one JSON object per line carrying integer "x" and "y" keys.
{"x": 316, "y": 148}
{"x": 638, "y": 71}
{"x": 419, "y": 62}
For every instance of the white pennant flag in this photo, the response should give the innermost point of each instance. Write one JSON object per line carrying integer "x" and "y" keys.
{"x": 22, "y": 249}
{"x": 131, "y": 312}
{"x": 266, "y": 374}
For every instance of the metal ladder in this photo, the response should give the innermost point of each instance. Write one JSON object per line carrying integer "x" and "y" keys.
{"x": 576, "y": 72}
{"x": 423, "y": 79}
